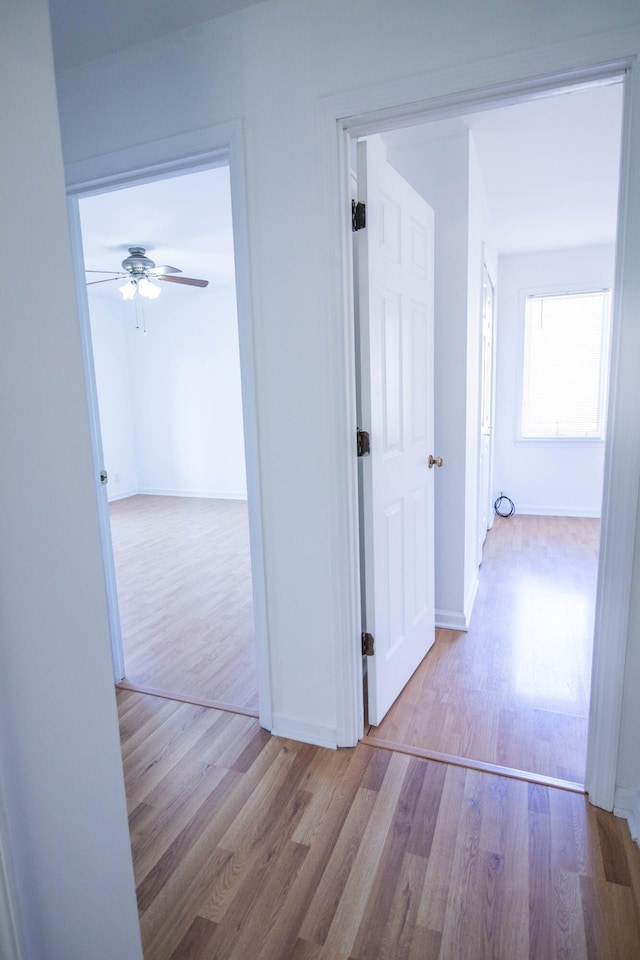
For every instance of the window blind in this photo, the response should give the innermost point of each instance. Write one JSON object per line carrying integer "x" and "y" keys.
{"x": 566, "y": 348}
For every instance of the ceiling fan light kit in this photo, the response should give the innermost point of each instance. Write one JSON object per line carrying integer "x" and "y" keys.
{"x": 143, "y": 286}
{"x": 140, "y": 270}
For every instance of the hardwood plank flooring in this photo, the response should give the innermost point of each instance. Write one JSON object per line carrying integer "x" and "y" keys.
{"x": 514, "y": 690}
{"x": 184, "y": 590}
{"x": 253, "y": 847}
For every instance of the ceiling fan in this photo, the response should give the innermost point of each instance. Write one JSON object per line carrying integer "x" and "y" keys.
{"x": 139, "y": 271}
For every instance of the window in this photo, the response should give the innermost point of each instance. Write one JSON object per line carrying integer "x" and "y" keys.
{"x": 566, "y": 354}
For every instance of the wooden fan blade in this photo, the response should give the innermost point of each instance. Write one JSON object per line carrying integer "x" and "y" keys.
{"x": 188, "y": 280}
{"x": 165, "y": 268}
{"x": 108, "y": 280}
{"x": 112, "y": 272}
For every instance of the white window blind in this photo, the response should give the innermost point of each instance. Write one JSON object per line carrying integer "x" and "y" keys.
{"x": 566, "y": 356}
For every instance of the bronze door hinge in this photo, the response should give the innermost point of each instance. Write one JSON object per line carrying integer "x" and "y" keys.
{"x": 367, "y": 645}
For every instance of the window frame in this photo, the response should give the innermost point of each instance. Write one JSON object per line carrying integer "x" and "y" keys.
{"x": 549, "y": 290}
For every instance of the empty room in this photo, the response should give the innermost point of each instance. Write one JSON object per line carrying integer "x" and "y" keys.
{"x": 166, "y": 371}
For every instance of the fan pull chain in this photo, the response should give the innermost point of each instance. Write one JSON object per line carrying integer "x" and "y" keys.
{"x": 139, "y": 308}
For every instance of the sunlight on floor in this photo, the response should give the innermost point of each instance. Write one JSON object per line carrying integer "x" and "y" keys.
{"x": 553, "y": 668}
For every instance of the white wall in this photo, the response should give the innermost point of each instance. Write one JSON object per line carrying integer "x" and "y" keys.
{"x": 543, "y": 477}
{"x": 186, "y": 397}
{"x": 60, "y": 764}
{"x": 282, "y": 68}
{"x": 170, "y": 402}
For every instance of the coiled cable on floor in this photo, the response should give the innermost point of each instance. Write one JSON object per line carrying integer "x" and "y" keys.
{"x": 504, "y": 506}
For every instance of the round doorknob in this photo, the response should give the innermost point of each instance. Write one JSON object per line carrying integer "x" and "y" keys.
{"x": 434, "y": 461}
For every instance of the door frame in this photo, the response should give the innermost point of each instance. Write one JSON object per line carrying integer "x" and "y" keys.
{"x": 447, "y": 93}
{"x": 199, "y": 150}
{"x": 11, "y": 946}
{"x": 492, "y": 398}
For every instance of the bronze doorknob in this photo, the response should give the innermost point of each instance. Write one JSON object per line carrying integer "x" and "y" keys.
{"x": 434, "y": 461}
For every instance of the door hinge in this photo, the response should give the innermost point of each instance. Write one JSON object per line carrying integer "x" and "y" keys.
{"x": 367, "y": 644}
{"x": 104, "y": 477}
{"x": 364, "y": 443}
{"x": 358, "y": 215}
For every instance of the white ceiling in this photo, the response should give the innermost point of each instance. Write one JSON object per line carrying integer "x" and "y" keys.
{"x": 184, "y": 222}
{"x": 85, "y": 30}
{"x": 550, "y": 166}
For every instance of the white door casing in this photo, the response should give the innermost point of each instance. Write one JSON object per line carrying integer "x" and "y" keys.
{"x": 486, "y": 411}
{"x": 436, "y": 95}
{"x": 194, "y": 150}
{"x": 395, "y": 267}
{"x": 111, "y": 587}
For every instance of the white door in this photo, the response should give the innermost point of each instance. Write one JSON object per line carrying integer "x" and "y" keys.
{"x": 395, "y": 285}
{"x": 485, "y": 515}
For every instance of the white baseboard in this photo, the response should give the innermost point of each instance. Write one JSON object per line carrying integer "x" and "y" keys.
{"x": 627, "y": 804}
{"x": 318, "y": 734}
{"x": 121, "y": 495}
{"x": 202, "y": 494}
{"x": 457, "y": 619}
{"x": 556, "y": 512}
{"x": 451, "y": 620}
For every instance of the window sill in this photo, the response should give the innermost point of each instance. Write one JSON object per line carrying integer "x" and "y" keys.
{"x": 558, "y": 441}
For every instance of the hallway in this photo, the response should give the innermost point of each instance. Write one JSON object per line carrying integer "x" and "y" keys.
{"x": 253, "y": 847}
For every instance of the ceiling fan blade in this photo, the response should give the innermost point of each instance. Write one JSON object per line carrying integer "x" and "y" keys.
{"x": 188, "y": 280}
{"x": 165, "y": 268}
{"x": 118, "y": 274}
{"x": 108, "y": 280}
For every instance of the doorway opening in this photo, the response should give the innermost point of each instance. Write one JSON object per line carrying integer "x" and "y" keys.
{"x": 557, "y": 232}
{"x": 169, "y": 390}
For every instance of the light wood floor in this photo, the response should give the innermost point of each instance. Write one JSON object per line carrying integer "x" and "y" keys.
{"x": 514, "y": 690}
{"x": 184, "y": 588}
{"x": 252, "y": 847}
